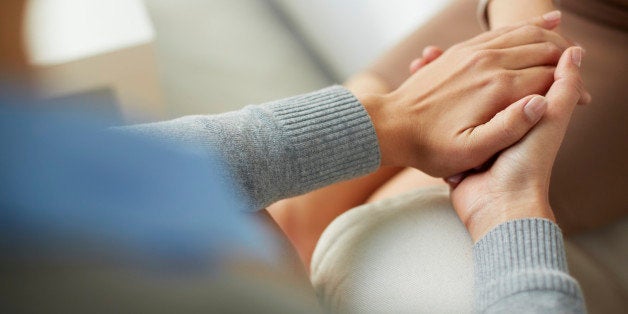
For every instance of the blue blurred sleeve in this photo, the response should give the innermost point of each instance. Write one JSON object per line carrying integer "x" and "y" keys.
{"x": 67, "y": 186}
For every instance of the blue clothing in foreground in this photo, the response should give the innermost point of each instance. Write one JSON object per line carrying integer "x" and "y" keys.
{"x": 68, "y": 187}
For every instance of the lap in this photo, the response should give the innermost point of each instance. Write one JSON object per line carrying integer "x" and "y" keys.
{"x": 411, "y": 253}
{"x": 404, "y": 254}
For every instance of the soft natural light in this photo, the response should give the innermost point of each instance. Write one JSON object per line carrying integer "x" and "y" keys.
{"x": 350, "y": 33}
{"x": 60, "y": 31}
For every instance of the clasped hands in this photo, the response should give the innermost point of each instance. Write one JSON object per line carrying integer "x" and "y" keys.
{"x": 481, "y": 100}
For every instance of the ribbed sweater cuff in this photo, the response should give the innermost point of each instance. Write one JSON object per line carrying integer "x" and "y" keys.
{"x": 519, "y": 256}
{"x": 331, "y": 135}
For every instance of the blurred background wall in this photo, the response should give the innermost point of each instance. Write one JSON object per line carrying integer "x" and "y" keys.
{"x": 166, "y": 58}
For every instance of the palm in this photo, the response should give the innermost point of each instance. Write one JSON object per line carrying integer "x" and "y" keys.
{"x": 513, "y": 178}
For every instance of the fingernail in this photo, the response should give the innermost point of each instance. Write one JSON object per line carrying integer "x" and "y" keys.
{"x": 535, "y": 108}
{"x": 552, "y": 16}
{"x": 455, "y": 179}
{"x": 576, "y": 56}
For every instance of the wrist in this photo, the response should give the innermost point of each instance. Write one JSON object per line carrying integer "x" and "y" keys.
{"x": 375, "y": 105}
{"x": 500, "y": 13}
{"x": 502, "y": 210}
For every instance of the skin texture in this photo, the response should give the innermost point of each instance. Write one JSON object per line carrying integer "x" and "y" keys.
{"x": 517, "y": 184}
{"x": 428, "y": 122}
{"x": 505, "y": 12}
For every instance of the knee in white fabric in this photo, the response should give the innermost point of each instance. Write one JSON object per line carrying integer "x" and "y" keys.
{"x": 406, "y": 254}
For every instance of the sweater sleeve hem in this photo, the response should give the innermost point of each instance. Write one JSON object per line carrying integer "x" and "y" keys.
{"x": 330, "y": 135}
{"x": 521, "y": 256}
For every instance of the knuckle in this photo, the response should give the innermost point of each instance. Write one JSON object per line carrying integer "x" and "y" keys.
{"x": 552, "y": 50}
{"x": 507, "y": 30}
{"x": 533, "y": 31}
{"x": 507, "y": 129}
{"x": 476, "y": 57}
{"x": 484, "y": 57}
{"x": 503, "y": 79}
{"x": 493, "y": 91}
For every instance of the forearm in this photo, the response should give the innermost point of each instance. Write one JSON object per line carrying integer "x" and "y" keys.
{"x": 500, "y": 13}
{"x": 282, "y": 148}
{"x": 520, "y": 267}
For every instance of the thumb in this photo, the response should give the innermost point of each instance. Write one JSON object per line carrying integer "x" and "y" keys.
{"x": 513, "y": 123}
{"x": 541, "y": 145}
{"x": 563, "y": 97}
{"x": 508, "y": 126}
{"x": 567, "y": 87}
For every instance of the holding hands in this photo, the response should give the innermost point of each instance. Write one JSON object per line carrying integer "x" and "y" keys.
{"x": 517, "y": 185}
{"x": 466, "y": 106}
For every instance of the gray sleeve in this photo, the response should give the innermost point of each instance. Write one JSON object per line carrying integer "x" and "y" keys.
{"x": 520, "y": 267}
{"x": 282, "y": 148}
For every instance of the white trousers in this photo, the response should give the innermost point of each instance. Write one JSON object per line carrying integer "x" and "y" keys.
{"x": 411, "y": 254}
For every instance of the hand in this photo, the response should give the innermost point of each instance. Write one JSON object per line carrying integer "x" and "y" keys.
{"x": 517, "y": 184}
{"x": 443, "y": 119}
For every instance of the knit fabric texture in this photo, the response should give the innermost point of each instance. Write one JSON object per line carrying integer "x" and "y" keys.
{"x": 282, "y": 148}
{"x": 521, "y": 261}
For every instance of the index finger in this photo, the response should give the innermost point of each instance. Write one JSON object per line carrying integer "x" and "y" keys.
{"x": 548, "y": 21}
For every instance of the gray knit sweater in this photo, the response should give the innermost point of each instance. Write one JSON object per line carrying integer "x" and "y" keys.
{"x": 291, "y": 146}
